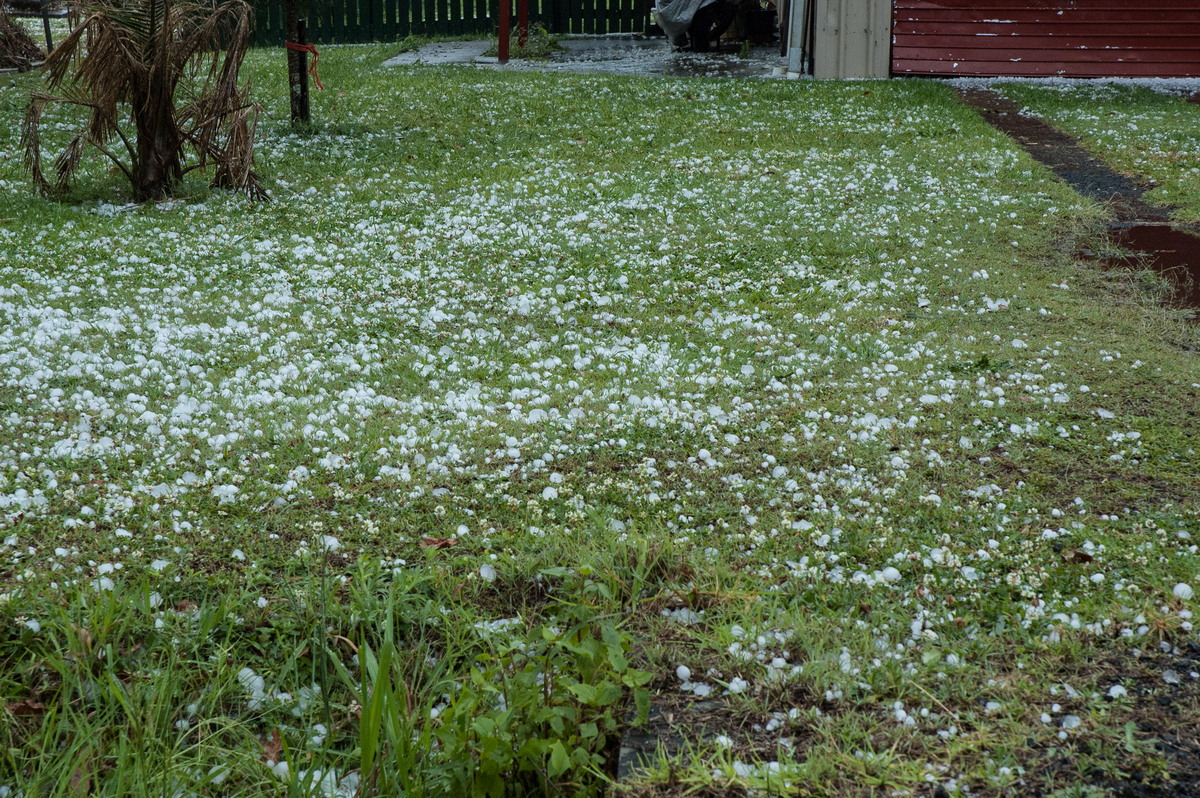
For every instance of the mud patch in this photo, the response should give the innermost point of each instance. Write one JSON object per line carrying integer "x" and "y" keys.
{"x": 1173, "y": 254}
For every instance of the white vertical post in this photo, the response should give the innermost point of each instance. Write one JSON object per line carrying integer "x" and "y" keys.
{"x": 796, "y": 36}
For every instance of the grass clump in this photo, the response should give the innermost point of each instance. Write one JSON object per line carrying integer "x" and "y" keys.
{"x": 539, "y": 45}
{"x": 500, "y": 421}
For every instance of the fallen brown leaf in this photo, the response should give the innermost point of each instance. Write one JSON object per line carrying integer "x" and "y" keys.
{"x": 272, "y": 747}
{"x": 81, "y": 781}
{"x": 26, "y": 706}
{"x": 439, "y": 543}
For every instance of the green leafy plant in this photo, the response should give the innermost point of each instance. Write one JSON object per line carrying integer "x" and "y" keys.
{"x": 539, "y": 713}
{"x": 539, "y": 44}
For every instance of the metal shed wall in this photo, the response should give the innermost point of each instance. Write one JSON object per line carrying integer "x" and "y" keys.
{"x": 851, "y": 38}
{"x": 1072, "y": 38}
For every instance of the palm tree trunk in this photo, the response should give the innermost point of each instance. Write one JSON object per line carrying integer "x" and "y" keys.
{"x": 158, "y": 167}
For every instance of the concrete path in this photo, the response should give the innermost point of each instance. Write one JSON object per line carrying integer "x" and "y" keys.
{"x": 621, "y": 55}
{"x": 437, "y": 53}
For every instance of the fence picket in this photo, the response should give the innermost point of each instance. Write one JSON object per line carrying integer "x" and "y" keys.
{"x": 396, "y": 27}
{"x": 389, "y": 20}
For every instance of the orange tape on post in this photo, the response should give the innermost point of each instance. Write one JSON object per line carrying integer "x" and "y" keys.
{"x": 312, "y": 69}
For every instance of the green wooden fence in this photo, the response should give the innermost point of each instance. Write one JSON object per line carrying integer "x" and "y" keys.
{"x": 353, "y": 21}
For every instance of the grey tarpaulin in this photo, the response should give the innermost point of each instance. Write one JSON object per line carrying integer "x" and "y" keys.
{"x": 675, "y": 17}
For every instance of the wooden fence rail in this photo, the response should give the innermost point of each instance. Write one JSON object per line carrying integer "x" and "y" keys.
{"x": 356, "y": 21}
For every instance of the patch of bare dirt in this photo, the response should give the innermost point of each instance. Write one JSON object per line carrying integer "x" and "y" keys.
{"x": 1160, "y": 756}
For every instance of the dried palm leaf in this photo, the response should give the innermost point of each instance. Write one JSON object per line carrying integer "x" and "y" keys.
{"x": 170, "y": 67}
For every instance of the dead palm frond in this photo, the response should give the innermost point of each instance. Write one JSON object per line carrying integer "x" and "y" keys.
{"x": 17, "y": 49}
{"x": 169, "y": 67}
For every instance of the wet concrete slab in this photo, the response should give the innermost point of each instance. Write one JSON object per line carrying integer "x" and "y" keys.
{"x": 613, "y": 55}
{"x": 440, "y": 53}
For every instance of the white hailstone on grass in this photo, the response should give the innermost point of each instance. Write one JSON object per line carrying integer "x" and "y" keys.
{"x": 549, "y": 493}
{"x": 738, "y": 685}
{"x": 103, "y": 583}
{"x": 723, "y": 740}
{"x": 1072, "y": 722}
{"x": 318, "y": 735}
{"x": 225, "y": 494}
{"x": 1117, "y": 691}
{"x": 890, "y": 574}
{"x": 253, "y": 684}
{"x": 683, "y": 615}
{"x": 32, "y": 625}
{"x": 462, "y": 530}
{"x": 238, "y": 554}
{"x": 1017, "y": 343}
{"x": 1171, "y": 677}
{"x": 683, "y": 673}
{"x": 487, "y": 572}
{"x": 1183, "y": 591}
{"x": 159, "y": 565}
{"x": 329, "y": 543}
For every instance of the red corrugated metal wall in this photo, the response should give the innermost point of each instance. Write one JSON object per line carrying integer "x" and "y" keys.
{"x": 1073, "y": 38}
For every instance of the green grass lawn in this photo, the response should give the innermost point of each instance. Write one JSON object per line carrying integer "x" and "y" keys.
{"x": 1138, "y": 131}
{"x": 533, "y": 403}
